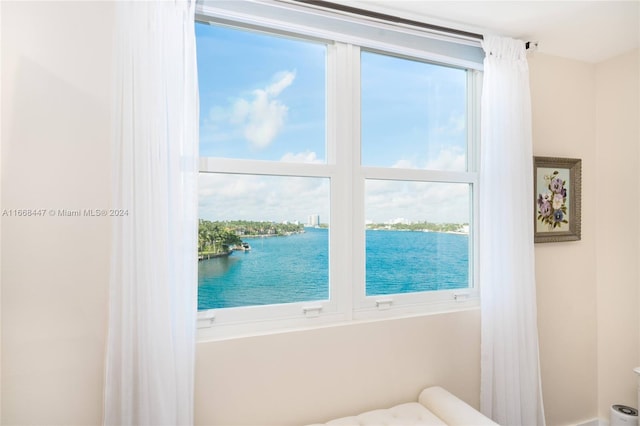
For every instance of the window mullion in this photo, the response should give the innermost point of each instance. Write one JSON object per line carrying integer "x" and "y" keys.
{"x": 340, "y": 113}
{"x": 418, "y": 175}
{"x": 256, "y": 167}
{"x": 358, "y": 217}
{"x": 474, "y": 93}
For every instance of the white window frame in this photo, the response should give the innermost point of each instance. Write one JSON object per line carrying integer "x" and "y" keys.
{"x": 347, "y": 176}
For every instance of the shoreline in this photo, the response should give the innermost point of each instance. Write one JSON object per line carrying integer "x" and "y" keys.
{"x": 288, "y": 234}
{"x": 207, "y": 256}
{"x": 419, "y": 230}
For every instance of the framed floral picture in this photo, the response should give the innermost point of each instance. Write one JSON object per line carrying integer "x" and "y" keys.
{"x": 557, "y": 197}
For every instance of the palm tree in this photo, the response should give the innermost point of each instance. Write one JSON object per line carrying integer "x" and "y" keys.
{"x": 212, "y": 237}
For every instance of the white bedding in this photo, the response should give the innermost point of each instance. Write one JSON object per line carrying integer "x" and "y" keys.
{"x": 435, "y": 407}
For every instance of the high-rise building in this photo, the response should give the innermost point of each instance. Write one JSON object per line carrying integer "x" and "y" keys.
{"x": 314, "y": 220}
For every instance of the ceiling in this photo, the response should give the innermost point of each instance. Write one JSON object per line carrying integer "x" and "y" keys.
{"x": 590, "y": 31}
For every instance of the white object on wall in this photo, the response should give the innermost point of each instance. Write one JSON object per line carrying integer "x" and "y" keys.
{"x": 621, "y": 415}
{"x": 637, "y": 371}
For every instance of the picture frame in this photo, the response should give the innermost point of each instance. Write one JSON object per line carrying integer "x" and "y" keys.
{"x": 557, "y": 198}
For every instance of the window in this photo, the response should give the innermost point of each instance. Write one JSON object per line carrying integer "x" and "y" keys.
{"x": 338, "y": 173}
{"x": 272, "y": 255}
{"x": 414, "y": 114}
{"x": 406, "y": 253}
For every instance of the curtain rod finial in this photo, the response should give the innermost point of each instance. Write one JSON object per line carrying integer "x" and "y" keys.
{"x": 531, "y": 46}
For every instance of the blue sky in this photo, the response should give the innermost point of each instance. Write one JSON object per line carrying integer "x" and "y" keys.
{"x": 263, "y": 97}
{"x": 412, "y": 113}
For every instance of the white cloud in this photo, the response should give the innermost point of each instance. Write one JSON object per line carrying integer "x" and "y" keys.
{"x": 308, "y": 157}
{"x": 262, "y": 116}
{"x": 453, "y": 159}
{"x": 283, "y": 79}
{"x": 388, "y": 200}
{"x": 269, "y": 198}
{"x": 449, "y": 159}
{"x": 239, "y": 112}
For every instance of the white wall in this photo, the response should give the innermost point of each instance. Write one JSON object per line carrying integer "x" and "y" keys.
{"x": 55, "y": 155}
{"x": 588, "y": 290}
{"x": 304, "y": 377}
{"x": 616, "y": 200}
{"x": 563, "y": 105}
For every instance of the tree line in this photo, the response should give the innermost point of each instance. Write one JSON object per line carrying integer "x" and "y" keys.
{"x": 420, "y": 226}
{"x": 218, "y": 237}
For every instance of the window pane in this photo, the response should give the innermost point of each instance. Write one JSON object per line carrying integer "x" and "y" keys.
{"x": 417, "y": 236}
{"x": 413, "y": 114}
{"x": 254, "y": 242}
{"x": 262, "y": 97}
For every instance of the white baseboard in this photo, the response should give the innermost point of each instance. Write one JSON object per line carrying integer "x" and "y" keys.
{"x": 595, "y": 422}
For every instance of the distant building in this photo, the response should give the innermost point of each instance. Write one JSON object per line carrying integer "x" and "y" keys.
{"x": 398, "y": 220}
{"x": 314, "y": 220}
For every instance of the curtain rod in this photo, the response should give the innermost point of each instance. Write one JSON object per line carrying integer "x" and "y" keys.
{"x": 389, "y": 18}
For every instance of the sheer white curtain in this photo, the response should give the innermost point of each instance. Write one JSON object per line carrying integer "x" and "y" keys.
{"x": 510, "y": 376}
{"x": 152, "y": 314}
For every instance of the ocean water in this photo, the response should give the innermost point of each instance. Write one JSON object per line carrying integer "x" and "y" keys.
{"x": 295, "y": 268}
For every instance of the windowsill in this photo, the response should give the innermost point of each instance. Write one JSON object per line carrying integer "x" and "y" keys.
{"x": 218, "y": 333}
